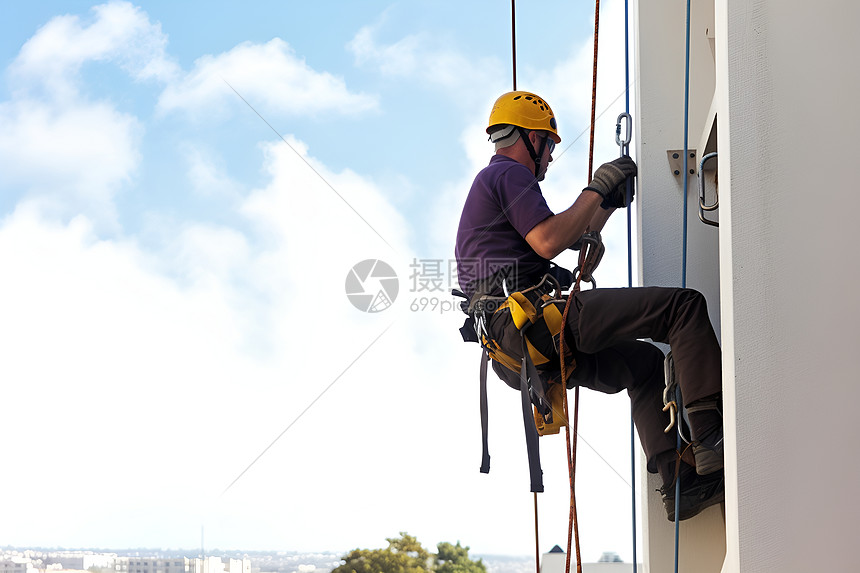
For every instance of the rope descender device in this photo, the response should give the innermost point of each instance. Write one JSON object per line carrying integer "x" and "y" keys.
{"x": 590, "y": 254}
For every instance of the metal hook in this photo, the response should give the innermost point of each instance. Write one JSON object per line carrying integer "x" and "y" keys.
{"x": 671, "y": 407}
{"x": 702, "y": 206}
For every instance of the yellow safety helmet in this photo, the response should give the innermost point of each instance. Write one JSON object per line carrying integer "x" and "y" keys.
{"x": 526, "y": 110}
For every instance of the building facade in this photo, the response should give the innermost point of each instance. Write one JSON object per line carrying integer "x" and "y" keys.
{"x": 770, "y": 83}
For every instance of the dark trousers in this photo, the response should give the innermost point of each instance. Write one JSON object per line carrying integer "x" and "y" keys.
{"x": 606, "y": 324}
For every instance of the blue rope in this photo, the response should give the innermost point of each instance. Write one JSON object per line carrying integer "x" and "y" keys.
{"x": 684, "y": 259}
{"x": 686, "y": 145}
{"x": 630, "y": 279}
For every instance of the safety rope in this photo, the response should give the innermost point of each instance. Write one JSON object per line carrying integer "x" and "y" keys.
{"x": 571, "y": 441}
{"x": 593, "y": 90}
{"x": 683, "y": 261}
{"x": 622, "y": 143}
{"x": 573, "y": 528}
{"x": 514, "y": 43}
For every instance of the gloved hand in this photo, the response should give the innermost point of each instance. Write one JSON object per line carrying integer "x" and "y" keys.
{"x": 610, "y": 182}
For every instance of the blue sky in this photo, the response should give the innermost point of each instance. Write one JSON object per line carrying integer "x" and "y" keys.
{"x": 173, "y": 293}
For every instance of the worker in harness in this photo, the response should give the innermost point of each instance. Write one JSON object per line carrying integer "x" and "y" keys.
{"x": 506, "y": 239}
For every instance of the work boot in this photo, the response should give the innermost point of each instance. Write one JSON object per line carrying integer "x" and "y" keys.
{"x": 697, "y": 493}
{"x": 706, "y": 426}
{"x": 709, "y": 453}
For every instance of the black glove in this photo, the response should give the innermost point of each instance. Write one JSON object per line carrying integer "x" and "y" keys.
{"x": 610, "y": 182}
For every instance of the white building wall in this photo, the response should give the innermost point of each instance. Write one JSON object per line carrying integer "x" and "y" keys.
{"x": 782, "y": 87}
{"x": 789, "y": 282}
{"x": 555, "y": 563}
{"x": 659, "y": 118}
{"x": 238, "y": 566}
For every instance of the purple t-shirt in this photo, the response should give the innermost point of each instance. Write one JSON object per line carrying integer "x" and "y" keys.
{"x": 504, "y": 204}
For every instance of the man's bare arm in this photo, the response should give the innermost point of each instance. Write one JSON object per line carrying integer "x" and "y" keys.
{"x": 558, "y": 232}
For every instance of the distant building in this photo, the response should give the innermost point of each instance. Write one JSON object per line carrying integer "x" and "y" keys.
{"x": 153, "y": 565}
{"x": 185, "y": 565}
{"x": 17, "y": 565}
{"x": 610, "y": 562}
{"x": 80, "y": 560}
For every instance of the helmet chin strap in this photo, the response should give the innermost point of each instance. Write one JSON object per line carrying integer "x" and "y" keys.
{"x": 524, "y": 135}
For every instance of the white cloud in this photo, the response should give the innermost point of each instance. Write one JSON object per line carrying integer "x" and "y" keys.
{"x": 70, "y": 158}
{"x": 104, "y": 354}
{"x": 208, "y": 175}
{"x": 271, "y": 75}
{"x": 426, "y": 58}
{"x": 70, "y": 155}
{"x": 60, "y": 150}
{"x": 399, "y": 59}
{"x": 119, "y": 33}
{"x": 305, "y": 195}
{"x": 198, "y": 355}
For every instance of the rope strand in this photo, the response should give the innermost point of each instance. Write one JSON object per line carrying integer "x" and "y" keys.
{"x": 571, "y": 463}
{"x": 514, "y": 40}
{"x": 573, "y": 529}
{"x": 593, "y": 90}
{"x": 630, "y": 280}
{"x": 686, "y": 176}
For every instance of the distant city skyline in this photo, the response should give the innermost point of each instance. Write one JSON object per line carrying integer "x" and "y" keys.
{"x": 261, "y": 561}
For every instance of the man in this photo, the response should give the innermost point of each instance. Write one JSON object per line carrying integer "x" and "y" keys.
{"x": 506, "y": 238}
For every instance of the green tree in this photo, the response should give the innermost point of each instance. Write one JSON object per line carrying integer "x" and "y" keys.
{"x": 455, "y": 559}
{"x": 406, "y": 555}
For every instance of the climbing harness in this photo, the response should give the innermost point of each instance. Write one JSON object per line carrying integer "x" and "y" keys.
{"x": 532, "y": 322}
{"x": 533, "y": 316}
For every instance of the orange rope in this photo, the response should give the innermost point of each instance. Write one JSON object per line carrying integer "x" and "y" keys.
{"x": 573, "y": 529}
{"x": 593, "y": 90}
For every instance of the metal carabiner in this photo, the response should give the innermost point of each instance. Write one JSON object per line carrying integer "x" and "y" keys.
{"x": 624, "y": 144}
